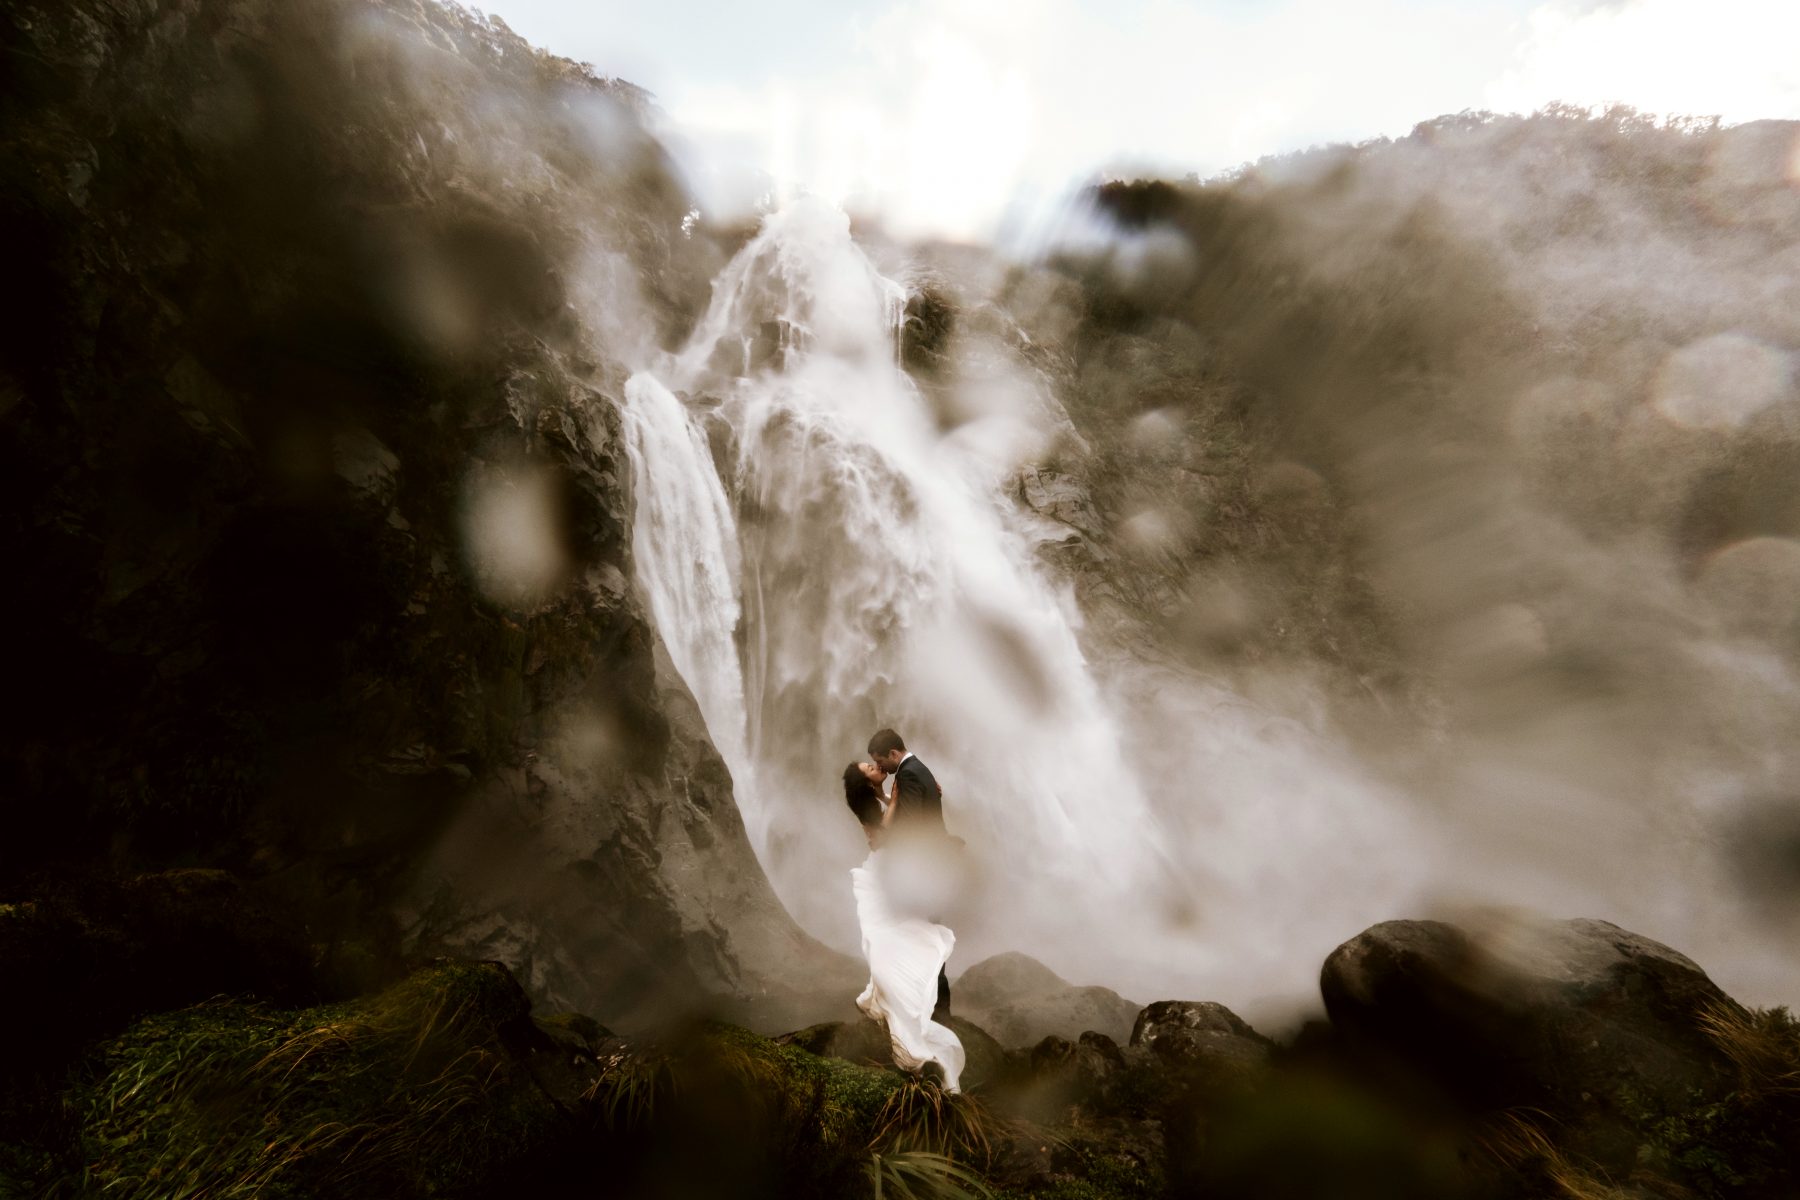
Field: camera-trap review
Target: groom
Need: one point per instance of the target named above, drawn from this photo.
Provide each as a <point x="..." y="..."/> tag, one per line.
<point x="919" y="808"/>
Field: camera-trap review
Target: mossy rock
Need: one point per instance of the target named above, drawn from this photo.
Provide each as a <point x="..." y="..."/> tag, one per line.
<point x="840" y="1097"/>
<point x="86" y="955"/>
<point x="865" y="1042"/>
<point x="413" y="1091"/>
<point x="573" y="1028"/>
<point x="445" y="1086"/>
<point x="778" y="1119"/>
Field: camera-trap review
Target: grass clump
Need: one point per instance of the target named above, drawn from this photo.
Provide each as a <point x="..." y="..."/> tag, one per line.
<point x="624" y="1095"/>
<point x="1764" y="1046"/>
<point x="1747" y="1143"/>
<point x="409" y="1091"/>
<point x="922" y="1175"/>
<point x="1517" y="1143"/>
<point x="827" y="1126"/>
<point x="921" y="1116"/>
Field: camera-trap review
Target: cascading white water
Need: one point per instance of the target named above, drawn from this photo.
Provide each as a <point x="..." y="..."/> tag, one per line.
<point x="880" y="584"/>
<point x="876" y="573"/>
<point x="684" y="543"/>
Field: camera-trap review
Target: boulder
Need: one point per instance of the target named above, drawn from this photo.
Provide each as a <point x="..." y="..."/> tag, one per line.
<point x="575" y="1032"/>
<point x="1199" y="1033"/>
<point x="85" y="956"/>
<point x="1085" y="1073"/>
<point x="984" y="1057"/>
<point x="1021" y="1001"/>
<point x="1599" y="1027"/>
<point x="860" y="1041"/>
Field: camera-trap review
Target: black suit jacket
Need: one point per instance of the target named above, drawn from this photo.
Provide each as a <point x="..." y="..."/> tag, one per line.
<point x="920" y="798"/>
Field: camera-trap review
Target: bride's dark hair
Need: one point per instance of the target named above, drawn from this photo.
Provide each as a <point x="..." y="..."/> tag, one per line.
<point x="861" y="795"/>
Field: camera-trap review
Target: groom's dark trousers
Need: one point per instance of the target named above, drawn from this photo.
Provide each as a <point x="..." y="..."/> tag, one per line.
<point x="922" y="808"/>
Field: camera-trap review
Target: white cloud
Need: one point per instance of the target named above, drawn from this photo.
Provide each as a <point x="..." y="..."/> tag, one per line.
<point x="1737" y="59"/>
<point x="938" y="113"/>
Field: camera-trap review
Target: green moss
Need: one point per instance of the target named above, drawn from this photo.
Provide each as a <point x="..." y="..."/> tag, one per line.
<point x="842" y="1097"/>
<point x="579" y="1024"/>
<point x="827" y="1126"/>
<point x="1061" y="1189"/>
<point x="1743" y="1143"/>
<point x="1090" y="1165"/>
<point x="1102" y="1177"/>
<point x="405" y="1092"/>
<point x="1122" y="1177"/>
<point x="1728" y="1148"/>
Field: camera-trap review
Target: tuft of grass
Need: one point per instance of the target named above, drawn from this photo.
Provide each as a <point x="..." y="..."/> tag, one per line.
<point x="922" y="1175"/>
<point x="406" y="1091"/>
<point x="919" y="1115"/>
<point x="626" y="1090"/>
<point x="1516" y="1141"/>
<point x="840" y="1099"/>
<point x="1763" y="1044"/>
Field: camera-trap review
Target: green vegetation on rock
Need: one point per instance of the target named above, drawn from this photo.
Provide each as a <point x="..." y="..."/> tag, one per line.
<point x="408" y="1092"/>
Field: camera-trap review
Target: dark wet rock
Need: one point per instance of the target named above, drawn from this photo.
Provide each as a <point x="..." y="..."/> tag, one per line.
<point x="248" y="416"/>
<point x="85" y="956"/>
<point x="1088" y="1073"/>
<point x="985" y="1059"/>
<point x="1199" y="1034"/>
<point x="926" y="328"/>
<point x="576" y="1032"/>
<point x="1021" y="1002"/>
<point x="1600" y="1027"/>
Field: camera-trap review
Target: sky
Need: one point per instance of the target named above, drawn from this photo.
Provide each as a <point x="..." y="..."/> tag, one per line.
<point x="951" y="118"/>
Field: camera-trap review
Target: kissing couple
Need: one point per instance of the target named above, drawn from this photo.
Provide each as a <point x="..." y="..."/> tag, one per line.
<point x="908" y="878"/>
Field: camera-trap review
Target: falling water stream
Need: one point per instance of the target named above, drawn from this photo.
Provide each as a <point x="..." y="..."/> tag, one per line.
<point x="823" y="559"/>
<point x="842" y="566"/>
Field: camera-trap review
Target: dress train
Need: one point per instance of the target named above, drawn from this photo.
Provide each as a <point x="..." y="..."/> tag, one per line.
<point x="905" y="954"/>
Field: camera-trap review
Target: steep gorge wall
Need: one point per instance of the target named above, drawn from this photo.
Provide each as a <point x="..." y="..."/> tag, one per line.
<point x="315" y="501"/>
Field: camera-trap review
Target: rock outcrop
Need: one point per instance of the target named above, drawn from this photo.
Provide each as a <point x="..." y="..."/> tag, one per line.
<point x="311" y="450"/>
<point x="1021" y="1001"/>
<point x="1602" y="1028"/>
<point x="865" y="1042"/>
<point x="87" y="956"/>
<point x="1200" y="1034"/>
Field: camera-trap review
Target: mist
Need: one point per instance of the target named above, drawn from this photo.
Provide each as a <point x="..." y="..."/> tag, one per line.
<point x="471" y="508"/>
<point x="1379" y="529"/>
<point x="1546" y="396"/>
<point x="1396" y="501"/>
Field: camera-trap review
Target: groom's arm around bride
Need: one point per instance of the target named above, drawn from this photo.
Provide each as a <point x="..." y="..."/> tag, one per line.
<point x="919" y="801"/>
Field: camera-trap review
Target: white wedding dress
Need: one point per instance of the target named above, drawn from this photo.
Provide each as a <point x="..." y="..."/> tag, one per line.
<point x="905" y="954"/>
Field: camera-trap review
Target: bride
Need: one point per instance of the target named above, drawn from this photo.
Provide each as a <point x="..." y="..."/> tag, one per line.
<point x="905" y="952"/>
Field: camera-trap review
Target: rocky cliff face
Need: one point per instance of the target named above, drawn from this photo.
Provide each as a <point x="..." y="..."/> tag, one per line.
<point x="314" y="485"/>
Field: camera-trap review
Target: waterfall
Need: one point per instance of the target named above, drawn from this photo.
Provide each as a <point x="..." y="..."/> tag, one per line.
<point x="684" y="542"/>
<point x="881" y="583"/>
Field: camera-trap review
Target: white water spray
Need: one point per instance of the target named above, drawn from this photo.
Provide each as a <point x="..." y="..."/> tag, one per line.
<point x="684" y="542"/>
<point x="880" y="584"/>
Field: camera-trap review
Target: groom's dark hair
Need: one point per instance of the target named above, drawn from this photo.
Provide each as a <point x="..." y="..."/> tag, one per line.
<point x="885" y="741"/>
